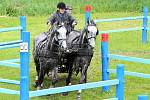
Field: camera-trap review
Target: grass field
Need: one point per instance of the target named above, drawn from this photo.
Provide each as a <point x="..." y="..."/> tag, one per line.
<point x="125" y="43"/>
<point x="45" y="7"/>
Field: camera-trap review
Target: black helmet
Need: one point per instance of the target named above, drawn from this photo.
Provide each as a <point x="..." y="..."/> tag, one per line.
<point x="61" y="5"/>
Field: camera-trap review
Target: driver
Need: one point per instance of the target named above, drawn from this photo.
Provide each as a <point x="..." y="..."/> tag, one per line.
<point x="61" y="16"/>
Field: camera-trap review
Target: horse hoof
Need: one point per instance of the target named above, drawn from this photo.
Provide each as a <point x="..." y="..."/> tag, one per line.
<point x="64" y="93"/>
<point x="69" y="84"/>
<point x="42" y="85"/>
<point x="35" y="84"/>
<point x="39" y="88"/>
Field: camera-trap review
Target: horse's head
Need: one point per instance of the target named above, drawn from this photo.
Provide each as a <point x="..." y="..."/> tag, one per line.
<point x="92" y="32"/>
<point x="61" y="36"/>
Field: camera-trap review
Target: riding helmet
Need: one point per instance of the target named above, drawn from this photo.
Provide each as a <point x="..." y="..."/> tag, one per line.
<point x="61" y="5"/>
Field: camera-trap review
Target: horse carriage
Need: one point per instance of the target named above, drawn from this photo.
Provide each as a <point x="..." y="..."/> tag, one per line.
<point x="57" y="51"/>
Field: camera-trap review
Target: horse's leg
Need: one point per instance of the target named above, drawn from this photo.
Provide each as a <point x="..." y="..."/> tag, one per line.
<point x="54" y="77"/>
<point x="40" y="79"/>
<point x="88" y="64"/>
<point x="69" y="66"/>
<point x="36" y="64"/>
<point x="86" y="77"/>
<point x="87" y="61"/>
<point x="37" y="72"/>
<point x="68" y="79"/>
<point x="41" y="75"/>
<point x="78" y="97"/>
<point x="36" y="61"/>
<point x="83" y="75"/>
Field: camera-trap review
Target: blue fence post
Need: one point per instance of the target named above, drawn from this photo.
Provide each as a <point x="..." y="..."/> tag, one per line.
<point x="87" y="13"/>
<point x="23" y="25"/>
<point x="120" y="86"/>
<point x="105" y="61"/>
<point x="142" y="97"/>
<point x="145" y="24"/>
<point x="24" y="66"/>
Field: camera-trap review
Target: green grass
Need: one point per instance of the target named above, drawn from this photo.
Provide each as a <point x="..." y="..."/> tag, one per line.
<point x="125" y="43"/>
<point x="45" y="7"/>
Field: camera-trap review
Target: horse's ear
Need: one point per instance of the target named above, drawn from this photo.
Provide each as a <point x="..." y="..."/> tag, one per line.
<point x="88" y="21"/>
<point x="93" y="22"/>
<point x="97" y="31"/>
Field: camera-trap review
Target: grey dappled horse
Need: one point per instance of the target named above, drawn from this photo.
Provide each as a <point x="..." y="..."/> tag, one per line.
<point x="47" y="53"/>
<point x="82" y="45"/>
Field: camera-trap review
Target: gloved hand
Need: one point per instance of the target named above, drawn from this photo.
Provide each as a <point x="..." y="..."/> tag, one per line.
<point x="74" y="23"/>
<point x="48" y="23"/>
